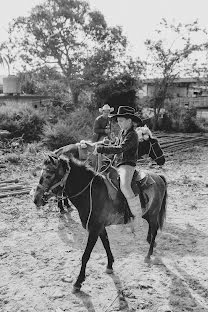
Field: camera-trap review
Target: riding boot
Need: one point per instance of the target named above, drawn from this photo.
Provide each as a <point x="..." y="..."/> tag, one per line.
<point x="135" y="207"/>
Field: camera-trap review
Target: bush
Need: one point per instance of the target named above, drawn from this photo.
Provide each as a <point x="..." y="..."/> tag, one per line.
<point x="57" y="135"/>
<point x="22" y="121"/>
<point x="190" y="124"/>
<point x="180" y="119"/>
<point x="77" y="126"/>
<point x="13" y="158"/>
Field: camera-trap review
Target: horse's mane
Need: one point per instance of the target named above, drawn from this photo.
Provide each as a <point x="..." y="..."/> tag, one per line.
<point x="85" y="167"/>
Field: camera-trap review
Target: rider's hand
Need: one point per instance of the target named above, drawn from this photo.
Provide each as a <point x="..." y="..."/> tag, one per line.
<point x="107" y="131"/>
<point x="99" y="148"/>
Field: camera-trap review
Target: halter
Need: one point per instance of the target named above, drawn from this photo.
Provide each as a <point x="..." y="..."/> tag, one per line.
<point x="151" y="147"/>
<point x="62" y="182"/>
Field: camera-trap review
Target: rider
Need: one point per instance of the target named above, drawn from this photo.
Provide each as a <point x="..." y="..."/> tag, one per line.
<point x="126" y="152"/>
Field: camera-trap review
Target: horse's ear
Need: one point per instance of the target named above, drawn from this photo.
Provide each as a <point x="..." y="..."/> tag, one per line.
<point x="52" y="158"/>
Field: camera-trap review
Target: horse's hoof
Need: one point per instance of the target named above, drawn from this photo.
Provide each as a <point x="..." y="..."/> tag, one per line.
<point x="62" y="212"/>
<point x="76" y="289"/>
<point x="109" y="271"/>
<point x="147" y="260"/>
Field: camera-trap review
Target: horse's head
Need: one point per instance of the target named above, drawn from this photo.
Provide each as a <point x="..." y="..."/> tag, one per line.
<point x="53" y="178"/>
<point x="151" y="148"/>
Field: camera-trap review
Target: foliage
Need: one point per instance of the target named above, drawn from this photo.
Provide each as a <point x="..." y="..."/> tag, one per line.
<point x="55" y="136"/>
<point x="49" y="82"/>
<point x="180" y="119"/>
<point x="4" y="60"/>
<point x="189" y="122"/>
<point x="76" y="126"/>
<point x="118" y="91"/>
<point x="68" y="35"/>
<point x="22" y="121"/>
<point x="167" y="60"/>
<point x="13" y="158"/>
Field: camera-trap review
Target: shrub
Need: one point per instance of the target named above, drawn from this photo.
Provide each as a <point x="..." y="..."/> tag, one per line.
<point x="77" y="126"/>
<point x="55" y="136"/>
<point x="13" y="158"/>
<point x="189" y="122"/>
<point x="22" y="121"/>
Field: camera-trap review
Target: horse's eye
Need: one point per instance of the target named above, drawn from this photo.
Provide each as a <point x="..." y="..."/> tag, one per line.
<point x="48" y="176"/>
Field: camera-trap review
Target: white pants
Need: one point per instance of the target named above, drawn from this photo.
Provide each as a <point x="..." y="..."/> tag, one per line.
<point x="126" y="173"/>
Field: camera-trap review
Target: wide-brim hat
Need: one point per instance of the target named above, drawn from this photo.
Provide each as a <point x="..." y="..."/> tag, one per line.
<point x="106" y="107"/>
<point x="127" y="112"/>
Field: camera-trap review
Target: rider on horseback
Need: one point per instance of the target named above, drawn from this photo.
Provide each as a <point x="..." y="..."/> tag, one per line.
<point x="126" y="153"/>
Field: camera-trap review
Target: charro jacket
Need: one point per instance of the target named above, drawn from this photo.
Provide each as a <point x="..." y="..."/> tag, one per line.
<point x="100" y="124"/>
<point x="126" y="149"/>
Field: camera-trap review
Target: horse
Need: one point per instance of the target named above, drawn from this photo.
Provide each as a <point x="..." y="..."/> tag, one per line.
<point x="151" y="147"/>
<point x="88" y="192"/>
<point x="83" y="151"/>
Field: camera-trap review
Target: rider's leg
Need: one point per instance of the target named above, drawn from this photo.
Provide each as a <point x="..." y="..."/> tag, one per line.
<point x="126" y="173"/>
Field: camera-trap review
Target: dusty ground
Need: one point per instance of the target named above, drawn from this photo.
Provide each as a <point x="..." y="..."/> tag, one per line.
<point x="40" y="252"/>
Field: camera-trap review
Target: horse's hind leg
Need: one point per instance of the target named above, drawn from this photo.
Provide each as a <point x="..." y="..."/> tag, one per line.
<point x="153" y="228"/>
<point x="92" y="239"/>
<point x="106" y="244"/>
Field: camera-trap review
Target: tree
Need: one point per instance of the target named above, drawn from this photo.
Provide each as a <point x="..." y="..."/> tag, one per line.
<point x="168" y="60"/>
<point x="4" y="61"/>
<point x="68" y="35"/>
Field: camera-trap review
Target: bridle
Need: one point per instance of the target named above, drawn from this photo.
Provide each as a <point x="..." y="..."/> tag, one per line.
<point x="62" y="184"/>
<point x="152" y="148"/>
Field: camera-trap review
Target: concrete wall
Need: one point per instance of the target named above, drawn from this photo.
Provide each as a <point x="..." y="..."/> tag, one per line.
<point x="202" y="113"/>
<point x="36" y="101"/>
<point x="182" y="90"/>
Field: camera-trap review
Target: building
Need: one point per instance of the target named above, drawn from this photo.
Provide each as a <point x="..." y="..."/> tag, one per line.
<point x="10" y="93"/>
<point x="184" y="92"/>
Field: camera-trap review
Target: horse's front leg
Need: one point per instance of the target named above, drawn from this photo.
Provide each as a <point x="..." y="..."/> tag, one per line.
<point x="106" y="244"/>
<point x="67" y="205"/>
<point x="60" y="206"/>
<point x="92" y="239"/>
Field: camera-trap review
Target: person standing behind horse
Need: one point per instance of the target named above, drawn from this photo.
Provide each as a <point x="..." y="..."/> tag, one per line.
<point x="102" y="129"/>
<point x="126" y="153"/>
<point x="102" y="125"/>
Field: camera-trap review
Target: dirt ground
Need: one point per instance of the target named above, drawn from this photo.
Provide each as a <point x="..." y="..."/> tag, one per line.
<point x="40" y="252"/>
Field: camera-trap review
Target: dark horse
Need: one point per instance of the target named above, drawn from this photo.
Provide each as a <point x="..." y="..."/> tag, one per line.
<point x="149" y="147"/>
<point x="88" y="192"/>
<point x="152" y="148"/>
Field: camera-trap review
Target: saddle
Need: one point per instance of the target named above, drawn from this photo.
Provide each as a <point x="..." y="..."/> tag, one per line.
<point x="140" y="182"/>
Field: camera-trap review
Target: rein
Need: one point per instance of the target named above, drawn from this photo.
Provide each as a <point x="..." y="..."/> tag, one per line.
<point x="84" y="189"/>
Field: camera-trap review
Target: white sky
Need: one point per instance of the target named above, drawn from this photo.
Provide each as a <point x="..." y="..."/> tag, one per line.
<point x="138" y="18"/>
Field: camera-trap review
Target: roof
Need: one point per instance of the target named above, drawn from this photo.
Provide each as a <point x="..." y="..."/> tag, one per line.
<point x="24" y="96"/>
<point x="176" y="80"/>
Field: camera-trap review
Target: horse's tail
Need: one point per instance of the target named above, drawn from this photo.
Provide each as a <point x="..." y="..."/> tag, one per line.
<point x="162" y="213"/>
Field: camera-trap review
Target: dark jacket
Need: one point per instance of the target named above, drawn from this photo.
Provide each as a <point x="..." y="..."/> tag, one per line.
<point x="100" y="125"/>
<point x="126" y="149"/>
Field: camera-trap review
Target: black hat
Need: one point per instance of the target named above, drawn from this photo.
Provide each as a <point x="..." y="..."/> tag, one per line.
<point x="127" y="112"/>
